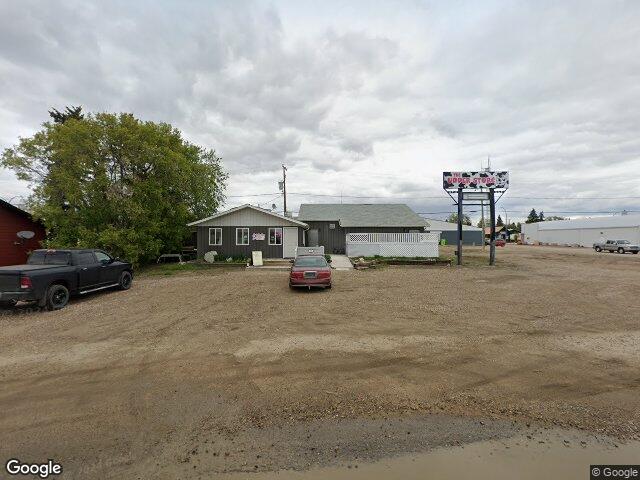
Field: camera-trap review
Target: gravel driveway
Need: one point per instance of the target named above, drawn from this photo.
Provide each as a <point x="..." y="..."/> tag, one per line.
<point x="199" y="372"/>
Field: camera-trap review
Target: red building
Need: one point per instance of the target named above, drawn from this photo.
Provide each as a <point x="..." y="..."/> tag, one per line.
<point x="14" y="250"/>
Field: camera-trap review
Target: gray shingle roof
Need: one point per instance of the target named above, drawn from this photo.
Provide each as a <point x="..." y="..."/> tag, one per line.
<point x="362" y="215"/>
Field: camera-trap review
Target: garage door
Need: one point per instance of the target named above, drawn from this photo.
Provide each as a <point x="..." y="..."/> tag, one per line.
<point x="289" y="242"/>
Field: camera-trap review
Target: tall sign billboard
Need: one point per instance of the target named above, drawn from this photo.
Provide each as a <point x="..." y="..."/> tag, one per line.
<point x="475" y="180"/>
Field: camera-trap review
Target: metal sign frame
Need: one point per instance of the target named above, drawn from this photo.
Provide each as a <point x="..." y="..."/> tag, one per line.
<point x="479" y="183"/>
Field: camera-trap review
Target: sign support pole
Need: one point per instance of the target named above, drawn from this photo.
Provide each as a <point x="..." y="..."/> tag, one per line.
<point x="459" y="226"/>
<point x="492" y="215"/>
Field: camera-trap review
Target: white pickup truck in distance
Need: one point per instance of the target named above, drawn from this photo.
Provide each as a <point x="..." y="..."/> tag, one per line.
<point x="620" y="246"/>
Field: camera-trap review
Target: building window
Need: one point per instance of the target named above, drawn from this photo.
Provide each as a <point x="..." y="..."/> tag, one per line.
<point x="215" y="236"/>
<point x="242" y="236"/>
<point x="275" y="236"/>
<point x="332" y="226"/>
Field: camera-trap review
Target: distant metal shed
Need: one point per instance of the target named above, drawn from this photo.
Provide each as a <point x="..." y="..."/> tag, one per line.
<point x="583" y="231"/>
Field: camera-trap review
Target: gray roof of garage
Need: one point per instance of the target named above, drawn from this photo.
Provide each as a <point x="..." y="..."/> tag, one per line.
<point x="362" y="215"/>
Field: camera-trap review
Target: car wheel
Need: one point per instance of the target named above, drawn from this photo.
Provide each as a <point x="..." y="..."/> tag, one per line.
<point x="635" y="253"/>
<point x="125" y="280"/>
<point x="621" y="250"/>
<point x="8" y="303"/>
<point x="57" y="297"/>
<point x="598" y="249"/>
<point x="329" y="286"/>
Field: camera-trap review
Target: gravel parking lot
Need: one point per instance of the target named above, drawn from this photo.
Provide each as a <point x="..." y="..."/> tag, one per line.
<point x="229" y="370"/>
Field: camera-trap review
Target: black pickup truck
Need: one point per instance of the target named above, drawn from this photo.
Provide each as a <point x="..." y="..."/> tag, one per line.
<point x="50" y="277"/>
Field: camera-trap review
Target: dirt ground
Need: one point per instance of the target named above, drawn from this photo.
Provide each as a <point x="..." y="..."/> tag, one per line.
<point x="228" y="370"/>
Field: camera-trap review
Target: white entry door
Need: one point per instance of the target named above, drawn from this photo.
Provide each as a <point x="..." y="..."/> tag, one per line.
<point x="289" y="241"/>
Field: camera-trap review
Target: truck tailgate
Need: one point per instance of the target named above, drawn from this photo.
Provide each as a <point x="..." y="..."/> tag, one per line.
<point x="9" y="282"/>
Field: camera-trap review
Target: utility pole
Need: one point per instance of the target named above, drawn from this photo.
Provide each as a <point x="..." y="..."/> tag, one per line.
<point x="284" y="188"/>
<point x="506" y="224"/>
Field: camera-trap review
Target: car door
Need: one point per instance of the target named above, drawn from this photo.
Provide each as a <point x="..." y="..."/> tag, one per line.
<point x="109" y="272"/>
<point x="89" y="270"/>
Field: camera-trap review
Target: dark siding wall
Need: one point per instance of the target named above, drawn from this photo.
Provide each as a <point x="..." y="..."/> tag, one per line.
<point x="11" y="223"/>
<point x="468" y="237"/>
<point x="331" y="239"/>
<point x="335" y="240"/>
<point x="229" y="247"/>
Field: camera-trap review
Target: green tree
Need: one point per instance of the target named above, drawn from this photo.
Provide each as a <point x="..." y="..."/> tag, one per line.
<point x="482" y="223"/>
<point x="453" y="218"/>
<point x="69" y="112"/>
<point x="499" y="222"/>
<point x="533" y="216"/>
<point x="541" y="216"/>
<point x="514" y="227"/>
<point x="114" y="182"/>
<point x="553" y="217"/>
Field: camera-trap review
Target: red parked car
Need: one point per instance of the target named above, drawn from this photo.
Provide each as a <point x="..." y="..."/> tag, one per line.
<point x="310" y="271"/>
<point x="499" y="242"/>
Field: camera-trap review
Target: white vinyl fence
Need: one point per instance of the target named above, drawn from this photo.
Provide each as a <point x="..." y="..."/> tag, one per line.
<point x="393" y="244"/>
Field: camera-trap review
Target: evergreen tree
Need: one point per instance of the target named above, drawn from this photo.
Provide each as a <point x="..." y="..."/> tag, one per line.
<point x="533" y="216"/>
<point x="69" y="112"/>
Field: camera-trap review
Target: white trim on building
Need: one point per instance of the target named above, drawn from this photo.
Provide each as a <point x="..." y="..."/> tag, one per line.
<point x="287" y="220"/>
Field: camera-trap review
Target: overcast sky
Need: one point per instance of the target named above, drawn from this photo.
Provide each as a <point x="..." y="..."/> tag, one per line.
<point x="356" y="98"/>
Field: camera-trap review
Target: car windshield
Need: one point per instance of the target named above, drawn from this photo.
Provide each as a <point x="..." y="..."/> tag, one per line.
<point x="310" y="262"/>
<point x="48" y="258"/>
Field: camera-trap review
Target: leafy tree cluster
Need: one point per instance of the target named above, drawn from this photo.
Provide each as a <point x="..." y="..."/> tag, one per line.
<point x="515" y="227"/>
<point x="112" y="181"/>
<point x="453" y="218"/>
<point x="535" y="217"/>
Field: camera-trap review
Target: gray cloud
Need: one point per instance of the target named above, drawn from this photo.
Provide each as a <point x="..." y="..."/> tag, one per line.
<point x="378" y="106"/>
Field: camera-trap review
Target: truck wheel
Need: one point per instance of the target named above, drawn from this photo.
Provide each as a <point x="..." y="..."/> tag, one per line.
<point x="621" y="250"/>
<point x="8" y="303"/>
<point x="635" y="252"/>
<point x="125" y="281"/>
<point x="57" y="297"/>
<point x="598" y="249"/>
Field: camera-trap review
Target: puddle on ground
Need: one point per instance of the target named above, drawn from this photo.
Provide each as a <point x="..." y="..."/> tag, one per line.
<point x="556" y="454"/>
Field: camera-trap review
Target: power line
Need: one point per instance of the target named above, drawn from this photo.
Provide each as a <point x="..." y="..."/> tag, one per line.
<point x="328" y="195"/>
<point x="524" y="212"/>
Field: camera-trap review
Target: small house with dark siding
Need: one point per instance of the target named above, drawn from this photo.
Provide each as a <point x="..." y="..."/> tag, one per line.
<point x="330" y="223"/>
<point x="245" y="229"/>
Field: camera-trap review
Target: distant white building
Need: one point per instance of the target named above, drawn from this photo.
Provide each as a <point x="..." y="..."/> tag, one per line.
<point x="584" y="231"/>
